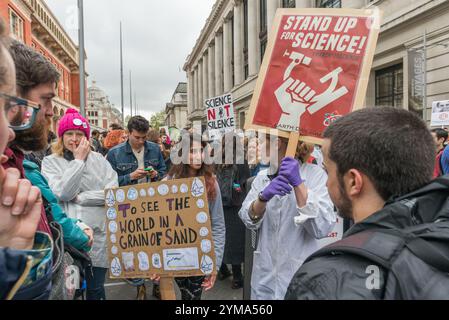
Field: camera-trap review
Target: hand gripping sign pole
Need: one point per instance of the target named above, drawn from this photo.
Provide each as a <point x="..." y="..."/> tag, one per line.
<point x="316" y="69"/>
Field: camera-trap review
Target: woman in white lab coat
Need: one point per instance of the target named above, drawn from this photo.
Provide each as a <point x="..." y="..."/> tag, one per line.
<point x="291" y="210"/>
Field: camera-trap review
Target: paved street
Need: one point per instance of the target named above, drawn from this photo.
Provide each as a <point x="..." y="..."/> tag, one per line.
<point x="119" y="290"/>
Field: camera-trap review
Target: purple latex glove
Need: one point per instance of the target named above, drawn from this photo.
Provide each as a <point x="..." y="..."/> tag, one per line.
<point x="290" y="170"/>
<point x="278" y="187"/>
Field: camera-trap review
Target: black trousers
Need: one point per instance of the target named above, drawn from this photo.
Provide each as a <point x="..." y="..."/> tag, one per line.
<point x="190" y="287"/>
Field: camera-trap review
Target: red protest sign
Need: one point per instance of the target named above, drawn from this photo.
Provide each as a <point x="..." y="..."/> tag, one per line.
<point x="315" y="70"/>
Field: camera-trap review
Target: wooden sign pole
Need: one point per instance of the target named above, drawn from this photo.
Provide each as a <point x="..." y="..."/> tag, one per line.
<point x="167" y="289"/>
<point x="293" y="141"/>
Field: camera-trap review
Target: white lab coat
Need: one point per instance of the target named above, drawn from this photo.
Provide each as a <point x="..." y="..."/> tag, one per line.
<point x="79" y="186"/>
<point x="287" y="234"/>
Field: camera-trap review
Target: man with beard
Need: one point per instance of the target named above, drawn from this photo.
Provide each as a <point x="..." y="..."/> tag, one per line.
<point x="37" y="80"/>
<point x="380" y="163"/>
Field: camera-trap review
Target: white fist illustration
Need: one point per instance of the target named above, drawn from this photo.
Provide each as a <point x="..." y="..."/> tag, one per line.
<point x="295" y="96"/>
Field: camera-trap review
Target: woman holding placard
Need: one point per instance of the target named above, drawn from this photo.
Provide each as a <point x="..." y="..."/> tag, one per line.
<point x="78" y="178"/>
<point x="192" y="287"/>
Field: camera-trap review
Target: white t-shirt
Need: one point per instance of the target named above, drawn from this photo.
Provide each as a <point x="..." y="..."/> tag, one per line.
<point x="140" y="162"/>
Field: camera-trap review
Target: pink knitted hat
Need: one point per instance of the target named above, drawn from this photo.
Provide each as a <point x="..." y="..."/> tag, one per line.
<point x="72" y="120"/>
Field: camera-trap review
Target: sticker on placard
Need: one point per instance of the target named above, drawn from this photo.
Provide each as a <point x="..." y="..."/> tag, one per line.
<point x="180" y="259"/>
<point x="151" y="192"/>
<point x="120" y="195"/>
<point x="112" y="226"/>
<point x="184" y="188"/>
<point x="128" y="261"/>
<point x="204" y="232"/>
<point x="200" y="203"/>
<point x="110" y="199"/>
<point x="112" y="214"/>
<point x="156" y="260"/>
<point x="207" y="265"/>
<point x="143" y="193"/>
<point x="206" y="246"/>
<point x="201" y="217"/>
<point x="163" y="189"/>
<point x="114" y="250"/>
<point x="116" y="268"/>
<point x="132" y="194"/>
<point x="113" y="238"/>
<point x="174" y="189"/>
<point x="144" y="263"/>
<point x="197" y="188"/>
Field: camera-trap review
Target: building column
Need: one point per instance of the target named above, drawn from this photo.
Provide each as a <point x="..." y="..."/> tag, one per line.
<point x="197" y="88"/>
<point x="253" y="52"/>
<point x="239" y="75"/>
<point x="211" y="69"/>
<point x="190" y="79"/>
<point x="200" y="85"/>
<point x="205" y="79"/>
<point x="303" y="4"/>
<point x="218" y="63"/>
<point x="272" y="6"/>
<point x="227" y="52"/>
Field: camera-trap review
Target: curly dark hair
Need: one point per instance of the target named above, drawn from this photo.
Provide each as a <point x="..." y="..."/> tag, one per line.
<point x="393" y="147"/>
<point x="181" y="170"/>
<point x="139" y="124"/>
<point x="32" y="68"/>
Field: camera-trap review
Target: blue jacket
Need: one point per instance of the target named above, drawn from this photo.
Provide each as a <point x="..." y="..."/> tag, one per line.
<point x="124" y="162"/>
<point x="73" y="234"/>
<point x="445" y="161"/>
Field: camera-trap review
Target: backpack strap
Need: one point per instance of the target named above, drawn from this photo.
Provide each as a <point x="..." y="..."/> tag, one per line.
<point x="430" y="254"/>
<point x="381" y="249"/>
<point x="382" y="246"/>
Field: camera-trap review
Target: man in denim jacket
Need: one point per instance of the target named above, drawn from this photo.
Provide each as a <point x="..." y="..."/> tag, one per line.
<point x="130" y="159"/>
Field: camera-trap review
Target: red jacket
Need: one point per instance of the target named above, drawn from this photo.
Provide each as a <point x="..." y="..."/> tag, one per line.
<point x="437" y="171"/>
<point x="15" y="160"/>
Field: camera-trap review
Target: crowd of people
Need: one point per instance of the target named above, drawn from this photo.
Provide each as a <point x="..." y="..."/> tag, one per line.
<point x="384" y="174"/>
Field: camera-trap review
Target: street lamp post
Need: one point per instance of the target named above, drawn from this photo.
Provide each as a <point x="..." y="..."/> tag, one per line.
<point x="81" y="58"/>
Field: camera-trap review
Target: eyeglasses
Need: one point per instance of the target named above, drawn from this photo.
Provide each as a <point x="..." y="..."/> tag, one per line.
<point x="21" y="113"/>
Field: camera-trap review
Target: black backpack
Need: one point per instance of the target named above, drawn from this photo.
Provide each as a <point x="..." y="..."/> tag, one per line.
<point x="415" y="259"/>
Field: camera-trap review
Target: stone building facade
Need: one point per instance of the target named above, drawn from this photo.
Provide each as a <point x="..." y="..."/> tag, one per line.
<point x="33" y="23"/>
<point x="100" y="112"/>
<point x="228" y="53"/>
<point x="176" y="109"/>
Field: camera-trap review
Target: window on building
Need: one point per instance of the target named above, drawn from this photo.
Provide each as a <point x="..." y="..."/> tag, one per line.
<point x="390" y="86"/>
<point x="245" y="45"/>
<point x="16" y="25"/>
<point x="288" y="3"/>
<point x="328" y="3"/>
<point x="263" y="35"/>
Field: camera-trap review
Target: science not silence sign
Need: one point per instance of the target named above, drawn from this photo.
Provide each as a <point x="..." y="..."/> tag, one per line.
<point x="159" y="228"/>
<point x="220" y="115"/>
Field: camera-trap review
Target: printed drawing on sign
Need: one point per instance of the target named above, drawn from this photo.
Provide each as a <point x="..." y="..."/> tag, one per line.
<point x="181" y="259"/>
<point x="295" y="97"/>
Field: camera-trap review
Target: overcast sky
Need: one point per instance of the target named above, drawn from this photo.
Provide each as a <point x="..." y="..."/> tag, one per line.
<point x="158" y="36"/>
